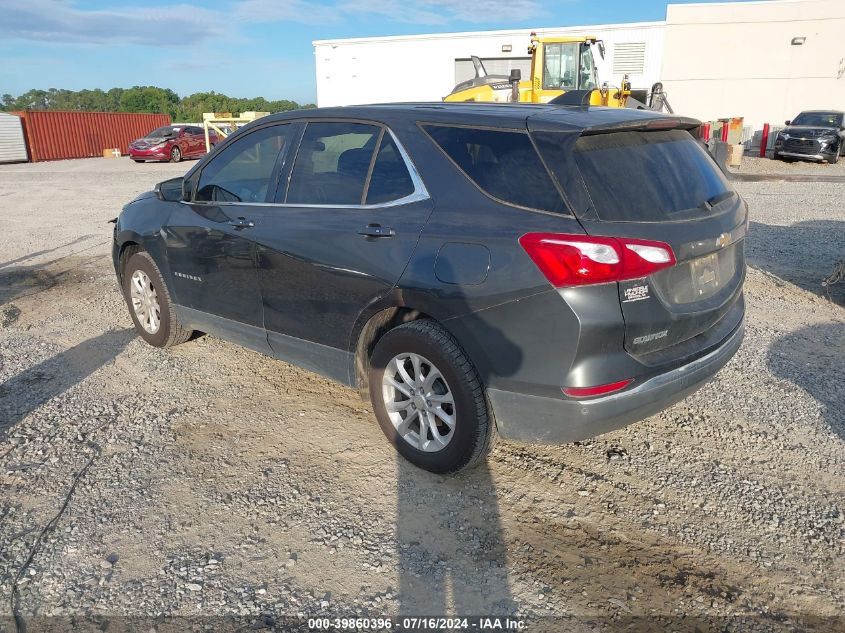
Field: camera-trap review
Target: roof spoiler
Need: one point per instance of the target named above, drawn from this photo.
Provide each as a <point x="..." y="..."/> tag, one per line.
<point x="645" y="125"/>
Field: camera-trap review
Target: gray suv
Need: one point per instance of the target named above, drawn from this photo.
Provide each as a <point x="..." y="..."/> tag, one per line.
<point x="547" y="273"/>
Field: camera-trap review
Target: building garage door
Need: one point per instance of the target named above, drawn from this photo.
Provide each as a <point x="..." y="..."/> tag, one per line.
<point x="464" y="70"/>
<point x="12" y="143"/>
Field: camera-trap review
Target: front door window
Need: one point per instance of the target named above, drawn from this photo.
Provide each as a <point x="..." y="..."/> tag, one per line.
<point x="242" y="172"/>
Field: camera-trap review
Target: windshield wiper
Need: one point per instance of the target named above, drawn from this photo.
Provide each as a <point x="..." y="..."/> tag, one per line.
<point x="712" y="201"/>
<point x="720" y="197"/>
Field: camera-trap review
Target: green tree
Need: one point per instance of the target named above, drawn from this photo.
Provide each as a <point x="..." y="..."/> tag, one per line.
<point x="150" y="99"/>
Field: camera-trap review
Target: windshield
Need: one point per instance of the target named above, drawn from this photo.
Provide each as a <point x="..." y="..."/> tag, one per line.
<point x="163" y="132"/>
<point x="643" y="176"/>
<point x="819" y="119"/>
<point x="560" y="66"/>
<point x="588" y="79"/>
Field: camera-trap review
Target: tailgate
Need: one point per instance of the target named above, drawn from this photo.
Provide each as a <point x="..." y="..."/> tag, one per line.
<point x="679" y="303"/>
<point x="658" y="185"/>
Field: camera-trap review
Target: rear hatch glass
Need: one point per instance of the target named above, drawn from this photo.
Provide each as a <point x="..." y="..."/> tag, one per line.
<point x="659" y="185"/>
<point x="648" y="176"/>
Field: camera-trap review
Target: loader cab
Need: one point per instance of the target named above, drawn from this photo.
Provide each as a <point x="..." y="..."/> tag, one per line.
<point x="558" y="65"/>
<point x="561" y="65"/>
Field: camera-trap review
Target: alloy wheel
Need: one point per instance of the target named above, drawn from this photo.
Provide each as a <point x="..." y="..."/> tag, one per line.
<point x="145" y="302"/>
<point x="419" y="402"/>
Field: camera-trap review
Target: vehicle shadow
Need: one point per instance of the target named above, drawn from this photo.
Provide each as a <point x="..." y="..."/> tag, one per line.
<point x="19" y="282"/>
<point x="24" y="392"/>
<point x="29" y="256"/>
<point x="450" y="541"/>
<point x="451" y="546"/>
<point x="803" y="254"/>
<point x="22" y="281"/>
<point x="810" y="358"/>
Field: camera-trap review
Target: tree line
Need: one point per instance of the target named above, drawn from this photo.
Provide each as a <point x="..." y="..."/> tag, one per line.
<point x="148" y="99"/>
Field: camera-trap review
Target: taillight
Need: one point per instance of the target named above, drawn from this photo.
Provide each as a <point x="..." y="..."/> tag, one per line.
<point x="578" y="260"/>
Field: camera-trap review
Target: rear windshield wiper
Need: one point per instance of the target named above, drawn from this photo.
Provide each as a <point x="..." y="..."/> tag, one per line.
<point x="712" y="201"/>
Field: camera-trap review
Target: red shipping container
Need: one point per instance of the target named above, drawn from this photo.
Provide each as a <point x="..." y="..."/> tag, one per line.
<point x="54" y="135"/>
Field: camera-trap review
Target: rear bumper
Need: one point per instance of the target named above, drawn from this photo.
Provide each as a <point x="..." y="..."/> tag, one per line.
<point x="550" y="420"/>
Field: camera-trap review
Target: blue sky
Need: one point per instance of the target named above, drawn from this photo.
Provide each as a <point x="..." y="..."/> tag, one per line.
<point x="243" y="48"/>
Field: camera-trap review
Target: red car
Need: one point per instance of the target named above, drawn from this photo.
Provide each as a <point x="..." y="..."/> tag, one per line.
<point x="171" y="142"/>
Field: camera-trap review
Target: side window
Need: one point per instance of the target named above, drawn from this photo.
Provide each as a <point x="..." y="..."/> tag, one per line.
<point x="332" y="163"/>
<point x="241" y="173"/>
<point x="503" y="164"/>
<point x="390" y="179"/>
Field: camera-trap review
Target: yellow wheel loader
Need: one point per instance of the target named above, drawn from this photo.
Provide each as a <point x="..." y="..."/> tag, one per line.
<point x="558" y="65"/>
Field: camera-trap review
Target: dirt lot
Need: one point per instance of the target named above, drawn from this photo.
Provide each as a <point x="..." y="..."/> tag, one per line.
<point x="210" y="481"/>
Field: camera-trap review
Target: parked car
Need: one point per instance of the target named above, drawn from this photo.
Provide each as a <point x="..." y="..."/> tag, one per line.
<point x="171" y="142"/>
<point x="813" y="134"/>
<point x="548" y="273"/>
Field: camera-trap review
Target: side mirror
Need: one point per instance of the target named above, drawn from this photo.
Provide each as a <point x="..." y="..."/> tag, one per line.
<point x="172" y="190"/>
<point x="601" y="48"/>
<point x="788" y="122"/>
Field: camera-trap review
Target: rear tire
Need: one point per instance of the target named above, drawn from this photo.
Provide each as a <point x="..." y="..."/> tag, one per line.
<point x="146" y="294"/>
<point x="448" y="387"/>
<point x="175" y="154"/>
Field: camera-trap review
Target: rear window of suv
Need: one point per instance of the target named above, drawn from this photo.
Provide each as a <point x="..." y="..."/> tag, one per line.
<point x="503" y="164"/>
<point x="645" y="176"/>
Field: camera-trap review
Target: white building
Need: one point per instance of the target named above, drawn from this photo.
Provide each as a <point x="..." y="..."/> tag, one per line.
<point x="764" y="61"/>
<point x="427" y="67"/>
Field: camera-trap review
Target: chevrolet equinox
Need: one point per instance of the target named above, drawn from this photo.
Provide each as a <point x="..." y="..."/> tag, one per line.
<point x="544" y="273"/>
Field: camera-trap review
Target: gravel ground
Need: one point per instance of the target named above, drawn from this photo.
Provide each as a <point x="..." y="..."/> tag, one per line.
<point x="211" y="482"/>
<point x="757" y="165"/>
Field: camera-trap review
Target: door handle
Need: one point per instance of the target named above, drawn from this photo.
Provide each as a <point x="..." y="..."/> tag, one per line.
<point x="241" y="223"/>
<point x="376" y="230"/>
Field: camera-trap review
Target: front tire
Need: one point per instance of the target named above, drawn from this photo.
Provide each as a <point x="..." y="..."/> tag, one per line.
<point x="175" y="154"/>
<point x="429" y="399"/>
<point x="149" y="303"/>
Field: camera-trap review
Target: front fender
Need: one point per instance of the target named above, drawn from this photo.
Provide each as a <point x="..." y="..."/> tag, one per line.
<point x="141" y="222"/>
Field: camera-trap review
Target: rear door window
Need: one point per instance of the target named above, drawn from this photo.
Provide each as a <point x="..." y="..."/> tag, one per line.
<point x="502" y="163"/>
<point x="646" y="176"/>
<point x="242" y="172"/>
<point x="332" y="163"/>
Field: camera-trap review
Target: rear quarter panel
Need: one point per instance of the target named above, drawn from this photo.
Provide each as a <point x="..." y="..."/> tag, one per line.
<point x="519" y="332"/>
